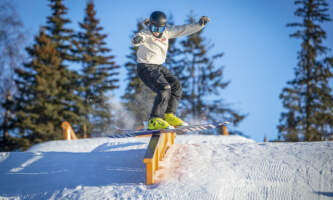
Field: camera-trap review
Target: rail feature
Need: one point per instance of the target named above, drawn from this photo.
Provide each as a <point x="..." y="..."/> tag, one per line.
<point x="157" y="147"/>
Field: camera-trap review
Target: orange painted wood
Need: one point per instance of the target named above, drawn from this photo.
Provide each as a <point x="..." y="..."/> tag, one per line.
<point x="157" y="147"/>
<point x="68" y="131"/>
<point x="149" y="135"/>
<point x="225" y="130"/>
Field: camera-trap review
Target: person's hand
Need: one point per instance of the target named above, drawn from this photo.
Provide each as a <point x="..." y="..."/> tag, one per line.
<point x="146" y="22"/>
<point x="204" y="20"/>
<point x="137" y="39"/>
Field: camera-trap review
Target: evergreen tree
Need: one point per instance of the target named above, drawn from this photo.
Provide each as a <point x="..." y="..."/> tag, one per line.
<point x="62" y="37"/>
<point x="11" y="44"/>
<point x="39" y="111"/>
<point x="99" y="71"/>
<point x="308" y="98"/>
<point x="57" y="31"/>
<point x="138" y="98"/>
<point x="202" y="82"/>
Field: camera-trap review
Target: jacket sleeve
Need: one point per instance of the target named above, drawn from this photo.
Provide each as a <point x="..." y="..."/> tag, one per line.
<point x="138" y="34"/>
<point x="180" y="31"/>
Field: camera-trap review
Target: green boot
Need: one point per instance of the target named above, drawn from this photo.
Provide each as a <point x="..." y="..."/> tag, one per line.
<point x="158" y="123"/>
<point x="173" y="120"/>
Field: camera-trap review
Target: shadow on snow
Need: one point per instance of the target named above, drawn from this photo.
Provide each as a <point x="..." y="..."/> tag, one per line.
<point x="54" y="171"/>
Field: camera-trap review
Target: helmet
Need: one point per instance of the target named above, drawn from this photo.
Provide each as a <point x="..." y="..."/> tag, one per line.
<point x="158" y="18"/>
<point x="157" y="22"/>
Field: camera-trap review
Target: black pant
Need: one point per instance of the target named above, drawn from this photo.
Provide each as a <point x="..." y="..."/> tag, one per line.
<point x="165" y="84"/>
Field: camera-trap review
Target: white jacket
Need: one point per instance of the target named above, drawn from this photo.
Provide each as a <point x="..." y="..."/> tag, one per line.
<point x="153" y="50"/>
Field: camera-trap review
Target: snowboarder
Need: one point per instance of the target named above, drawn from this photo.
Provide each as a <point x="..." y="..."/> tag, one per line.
<point x="152" y="46"/>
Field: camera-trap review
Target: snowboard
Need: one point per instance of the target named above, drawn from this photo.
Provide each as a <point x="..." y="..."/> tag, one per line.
<point x="177" y="130"/>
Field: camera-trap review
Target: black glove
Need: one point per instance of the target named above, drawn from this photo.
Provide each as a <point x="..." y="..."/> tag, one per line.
<point x="137" y="39"/>
<point x="204" y="20"/>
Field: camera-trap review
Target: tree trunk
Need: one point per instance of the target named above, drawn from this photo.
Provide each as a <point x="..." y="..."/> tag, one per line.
<point x="6" y="119"/>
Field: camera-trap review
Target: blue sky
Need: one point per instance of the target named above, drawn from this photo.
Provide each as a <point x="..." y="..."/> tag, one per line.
<point x="259" y="54"/>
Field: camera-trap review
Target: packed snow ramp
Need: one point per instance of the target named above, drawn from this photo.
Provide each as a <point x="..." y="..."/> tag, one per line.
<point x="197" y="167"/>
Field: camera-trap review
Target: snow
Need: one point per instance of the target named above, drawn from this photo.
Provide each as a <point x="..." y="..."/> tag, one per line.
<point x="196" y="167"/>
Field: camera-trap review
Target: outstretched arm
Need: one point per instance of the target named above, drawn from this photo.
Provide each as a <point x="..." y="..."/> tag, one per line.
<point x="138" y="39"/>
<point x="188" y="29"/>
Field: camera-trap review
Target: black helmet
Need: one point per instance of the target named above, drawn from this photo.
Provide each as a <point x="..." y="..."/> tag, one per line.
<point x="158" y="18"/>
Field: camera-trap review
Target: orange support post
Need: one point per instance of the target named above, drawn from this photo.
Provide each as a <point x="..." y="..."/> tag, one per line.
<point x="69" y="133"/>
<point x="157" y="147"/>
<point x="224" y="130"/>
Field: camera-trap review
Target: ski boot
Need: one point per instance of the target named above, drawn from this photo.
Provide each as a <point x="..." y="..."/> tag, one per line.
<point x="173" y="120"/>
<point x="157" y="123"/>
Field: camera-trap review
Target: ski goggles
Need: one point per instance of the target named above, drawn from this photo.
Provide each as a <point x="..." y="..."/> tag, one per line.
<point x="159" y="29"/>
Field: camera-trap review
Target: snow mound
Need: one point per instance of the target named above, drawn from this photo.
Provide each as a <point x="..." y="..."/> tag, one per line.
<point x="91" y="145"/>
<point x="196" y="167"/>
<point x="114" y="144"/>
<point x="211" y="139"/>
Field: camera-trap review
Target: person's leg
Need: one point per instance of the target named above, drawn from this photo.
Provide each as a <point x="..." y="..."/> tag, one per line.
<point x="176" y="93"/>
<point x="153" y="77"/>
<point x="176" y="90"/>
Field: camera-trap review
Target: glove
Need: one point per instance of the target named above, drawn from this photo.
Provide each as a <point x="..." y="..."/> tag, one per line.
<point x="146" y="22"/>
<point x="204" y="20"/>
<point x="137" y="39"/>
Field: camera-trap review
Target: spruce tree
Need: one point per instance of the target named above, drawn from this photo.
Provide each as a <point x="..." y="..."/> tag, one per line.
<point x="62" y="37"/>
<point x="98" y="75"/>
<point x="57" y="30"/>
<point x="38" y="110"/>
<point x="138" y="98"/>
<point x="308" y="97"/>
<point x="202" y="82"/>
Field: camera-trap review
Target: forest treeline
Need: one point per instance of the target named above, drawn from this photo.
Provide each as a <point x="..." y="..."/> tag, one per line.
<point x="71" y="75"/>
